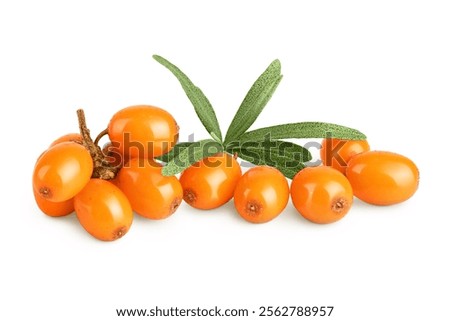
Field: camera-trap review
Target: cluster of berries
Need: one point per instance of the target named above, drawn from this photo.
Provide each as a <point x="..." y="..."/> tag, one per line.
<point x="105" y="186"/>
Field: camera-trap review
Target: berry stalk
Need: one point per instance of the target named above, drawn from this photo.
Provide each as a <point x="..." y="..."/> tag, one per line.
<point x="102" y="168"/>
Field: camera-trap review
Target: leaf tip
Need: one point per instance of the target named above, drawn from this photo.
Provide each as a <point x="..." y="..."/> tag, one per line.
<point x="159" y="58"/>
<point x="276" y="63"/>
<point x="358" y="135"/>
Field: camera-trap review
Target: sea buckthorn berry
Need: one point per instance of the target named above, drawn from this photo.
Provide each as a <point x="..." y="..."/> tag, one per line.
<point x="53" y="208"/>
<point x="383" y="178"/>
<point x="261" y="194"/>
<point x="112" y="155"/>
<point x="321" y="194"/>
<point x="337" y="152"/>
<point x="151" y="194"/>
<point x="62" y="171"/>
<point x="103" y="210"/>
<point x="72" y="137"/>
<point x="143" y="131"/>
<point x="210" y="183"/>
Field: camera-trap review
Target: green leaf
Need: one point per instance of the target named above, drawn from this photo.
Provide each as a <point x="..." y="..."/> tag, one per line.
<point x="174" y="152"/>
<point x="303" y="130"/>
<point x="287" y="149"/>
<point x="190" y="155"/>
<point x="217" y="139"/>
<point x="255" y="101"/>
<point x="202" y="106"/>
<point x="287" y="163"/>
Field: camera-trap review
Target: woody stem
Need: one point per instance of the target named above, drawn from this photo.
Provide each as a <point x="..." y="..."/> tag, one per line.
<point x="102" y="169"/>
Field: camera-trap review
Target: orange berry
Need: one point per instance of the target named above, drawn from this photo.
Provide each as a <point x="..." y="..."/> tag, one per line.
<point x="103" y="210"/>
<point x="261" y="194"/>
<point x="143" y="131"/>
<point x="72" y="137"/>
<point x="337" y="152"/>
<point x="62" y="171"/>
<point x="210" y="183"/>
<point x="53" y="208"/>
<point x="151" y="194"/>
<point x="113" y="156"/>
<point x="383" y="178"/>
<point x="321" y="194"/>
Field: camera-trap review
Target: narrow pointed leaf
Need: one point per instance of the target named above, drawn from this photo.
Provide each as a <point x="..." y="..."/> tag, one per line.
<point x="255" y="101"/>
<point x="174" y="152"/>
<point x="258" y="155"/>
<point x="202" y="106"/>
<point x="303" y="130"/>
<point x="190" y="155"/>
<point x="285" y="149"/>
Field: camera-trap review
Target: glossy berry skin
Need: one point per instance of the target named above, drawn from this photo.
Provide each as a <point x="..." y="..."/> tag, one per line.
<point x="103" y="210"/>
<point x="321" y="194"/>
<point x="143" y="131"/>
<point x="261" y="194"/>
<point x="383" y="178"/>
<point x="72" y="137"/>
<point x="54" y="209"/>
<point x="151" y="194"/>
<point x="62" y="171"/>
<point x="210" y="183"/>
<point x="112" y="155"/>
<point x="338" y="152"/>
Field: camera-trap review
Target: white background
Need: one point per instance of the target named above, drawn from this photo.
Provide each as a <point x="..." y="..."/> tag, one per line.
<point x="380" y="66"/>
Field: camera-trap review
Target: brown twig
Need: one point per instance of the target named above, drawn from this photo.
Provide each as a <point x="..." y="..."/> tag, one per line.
<point x="102" y="168"/>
